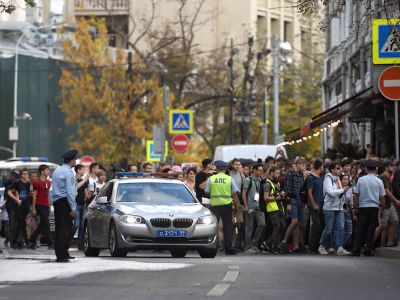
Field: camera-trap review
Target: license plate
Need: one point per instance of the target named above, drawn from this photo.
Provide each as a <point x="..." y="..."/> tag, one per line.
<point x="171" y="233"/>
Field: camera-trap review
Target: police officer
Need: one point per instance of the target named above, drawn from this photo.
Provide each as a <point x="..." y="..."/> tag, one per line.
<point x="369" y="204"/>
<point x="223" y="193"/>
<point x="63" y="197"/>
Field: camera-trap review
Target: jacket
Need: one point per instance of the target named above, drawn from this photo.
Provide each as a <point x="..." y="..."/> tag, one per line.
<point x="333" y="199"/>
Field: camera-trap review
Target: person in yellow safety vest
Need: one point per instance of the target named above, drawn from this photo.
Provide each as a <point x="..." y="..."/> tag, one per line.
<point x="223" y="193"/>
<point x="275" y="210"/>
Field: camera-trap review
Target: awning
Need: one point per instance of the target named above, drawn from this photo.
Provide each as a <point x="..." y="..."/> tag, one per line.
<point x="333" y="113"/>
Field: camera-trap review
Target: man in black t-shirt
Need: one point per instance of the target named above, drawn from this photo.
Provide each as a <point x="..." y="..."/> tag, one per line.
<point x="82" y="184"/>
<point x="201" y="178"/>
<point x="20" y="192"/>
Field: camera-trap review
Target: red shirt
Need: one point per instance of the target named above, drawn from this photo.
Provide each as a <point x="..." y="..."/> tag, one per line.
<point x="42" y="189"/>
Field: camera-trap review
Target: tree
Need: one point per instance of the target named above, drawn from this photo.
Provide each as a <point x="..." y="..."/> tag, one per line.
<point x="301" y="99"/>
<point x="9" y="6"/>
<point x="112" y="107"/>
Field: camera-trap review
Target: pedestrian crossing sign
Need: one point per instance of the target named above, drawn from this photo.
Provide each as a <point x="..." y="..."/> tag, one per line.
<point x="150" y="155"/>
<point x="180" y="121"/>
<point x="386" y="41"/>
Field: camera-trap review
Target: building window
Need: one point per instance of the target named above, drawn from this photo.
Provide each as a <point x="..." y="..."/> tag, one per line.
<point x="288" y="32"/>
<point x="338" y="88"/>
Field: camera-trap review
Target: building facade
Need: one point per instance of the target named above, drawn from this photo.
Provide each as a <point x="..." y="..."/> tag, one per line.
<point x="217" y="21"/>
<point x="350" y="83"/>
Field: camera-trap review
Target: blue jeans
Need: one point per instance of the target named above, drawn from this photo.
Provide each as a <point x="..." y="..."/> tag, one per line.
<point x="333" y="218"/>
<point x="78" y="223"/>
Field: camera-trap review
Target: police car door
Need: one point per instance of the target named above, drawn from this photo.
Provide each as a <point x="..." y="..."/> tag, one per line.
<point x="104" y="214"/>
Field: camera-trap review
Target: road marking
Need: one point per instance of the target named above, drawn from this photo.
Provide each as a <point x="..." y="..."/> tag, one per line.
<point x="219" y="289"/>
<point x="391" y="83"/>
<point x="233" y="267"/>
<point x="231" y="276"/>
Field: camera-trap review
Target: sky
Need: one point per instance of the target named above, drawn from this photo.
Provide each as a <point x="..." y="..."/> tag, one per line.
<point x="57" y="6"/>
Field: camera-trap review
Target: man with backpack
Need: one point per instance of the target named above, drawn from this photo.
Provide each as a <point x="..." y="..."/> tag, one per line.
<point x="293" y="183"/>
<point x="254" y="216"/>
<point x="315" y="202"/>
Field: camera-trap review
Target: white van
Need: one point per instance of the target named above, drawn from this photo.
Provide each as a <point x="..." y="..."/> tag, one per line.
<point x="253" y="152"/>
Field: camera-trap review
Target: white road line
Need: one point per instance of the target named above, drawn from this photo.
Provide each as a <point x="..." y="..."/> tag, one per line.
<point x="233" y="267"/>
<point x="391" y="83"/>
<point x="219" y="289"/>
<point x="231" y="276"/>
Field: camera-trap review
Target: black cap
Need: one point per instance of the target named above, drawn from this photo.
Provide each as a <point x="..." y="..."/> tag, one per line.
<point x="70" y="155"/>
<point x="220" y="164"/>
<point x="372" y="164"/>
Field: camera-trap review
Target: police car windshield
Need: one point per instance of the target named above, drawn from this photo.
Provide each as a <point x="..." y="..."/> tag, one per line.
<point x="154" y="193"/>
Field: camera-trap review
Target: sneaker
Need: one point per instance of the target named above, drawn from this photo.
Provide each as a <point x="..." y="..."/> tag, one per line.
<point x="284" y="248"/>
<point x="251" y="251"/>
<point x="265" y="248"/>
<point x="331" y="250"/>
<point x="31" y="245"/>
<point x="275" y="250"/>
<point x="342" y="252"/>
<point x="322" y="250"/>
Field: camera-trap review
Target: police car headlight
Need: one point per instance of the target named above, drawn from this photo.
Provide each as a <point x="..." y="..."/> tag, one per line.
<point x="132" y="219"/>
<point x="207" y="220"/>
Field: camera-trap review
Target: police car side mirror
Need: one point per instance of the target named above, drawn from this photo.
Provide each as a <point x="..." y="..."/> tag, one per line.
<point x="206" y="202"/>
<point x="102" y="200"/>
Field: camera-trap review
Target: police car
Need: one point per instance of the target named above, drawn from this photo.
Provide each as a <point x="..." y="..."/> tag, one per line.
<point x="134" y="212"/>
<point x="30" y="163"/>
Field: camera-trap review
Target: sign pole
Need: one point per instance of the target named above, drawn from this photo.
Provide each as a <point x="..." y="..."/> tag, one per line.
<point x="165" y="109"/>
<point x="396" y="124"/>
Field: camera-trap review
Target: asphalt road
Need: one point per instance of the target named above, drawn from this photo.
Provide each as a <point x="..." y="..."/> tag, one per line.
<point x="155" y="275"/>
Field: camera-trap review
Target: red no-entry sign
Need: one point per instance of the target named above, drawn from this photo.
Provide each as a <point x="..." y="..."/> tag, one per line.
<point x="389" y="83"/>
<point x="180" y="143"/>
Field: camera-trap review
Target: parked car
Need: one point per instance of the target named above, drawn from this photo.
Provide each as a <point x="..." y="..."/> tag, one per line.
<point x="148" y="214"/>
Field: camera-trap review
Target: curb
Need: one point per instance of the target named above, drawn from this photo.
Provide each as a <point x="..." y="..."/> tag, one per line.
<point x="388" y="252"/>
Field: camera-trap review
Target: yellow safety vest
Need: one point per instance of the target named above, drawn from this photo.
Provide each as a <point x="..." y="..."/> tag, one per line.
<point x="272" y="205"/>
<point x="220" y="189"/>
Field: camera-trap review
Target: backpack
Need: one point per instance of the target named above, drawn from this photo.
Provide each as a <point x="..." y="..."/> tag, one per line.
<point x="303" y="193"/>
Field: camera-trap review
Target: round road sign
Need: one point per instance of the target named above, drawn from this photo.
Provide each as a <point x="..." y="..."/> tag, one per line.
<point x="389" y="83"/>
<point x="180" y="143"/>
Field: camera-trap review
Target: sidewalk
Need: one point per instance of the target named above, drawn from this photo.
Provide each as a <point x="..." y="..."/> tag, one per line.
<point x="40" y="253"/>
<point x="388" y="252"/>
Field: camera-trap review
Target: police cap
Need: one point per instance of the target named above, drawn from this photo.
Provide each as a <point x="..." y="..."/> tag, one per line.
<point x="372" y="164"/>
<point x="70" y="155"/>
<point x="220" y="164"/>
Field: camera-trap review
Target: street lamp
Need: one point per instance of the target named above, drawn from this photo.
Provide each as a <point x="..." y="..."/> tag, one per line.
<point x="13" y="133"/>
<point x="277" y="47"/>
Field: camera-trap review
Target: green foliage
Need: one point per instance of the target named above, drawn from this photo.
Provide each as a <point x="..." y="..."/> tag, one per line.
<point x="9" y="7"/>
<point x="113" y="110"/>
<point x="299" y="101"/>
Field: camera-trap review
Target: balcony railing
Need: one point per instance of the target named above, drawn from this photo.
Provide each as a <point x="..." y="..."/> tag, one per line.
<point x="101" y="5"/>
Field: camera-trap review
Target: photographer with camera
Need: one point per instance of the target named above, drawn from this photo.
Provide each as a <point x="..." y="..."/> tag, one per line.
<point x="274" y="198"/>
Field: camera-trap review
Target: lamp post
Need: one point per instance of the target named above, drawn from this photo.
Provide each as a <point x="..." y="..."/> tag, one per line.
<point x="277" y="47"/>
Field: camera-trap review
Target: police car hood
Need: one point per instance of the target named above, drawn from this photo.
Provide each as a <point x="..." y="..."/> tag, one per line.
<point x="143" y="209"/>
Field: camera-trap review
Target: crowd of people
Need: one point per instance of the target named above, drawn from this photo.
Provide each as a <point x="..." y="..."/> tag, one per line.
<point x="340" y="206"/>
